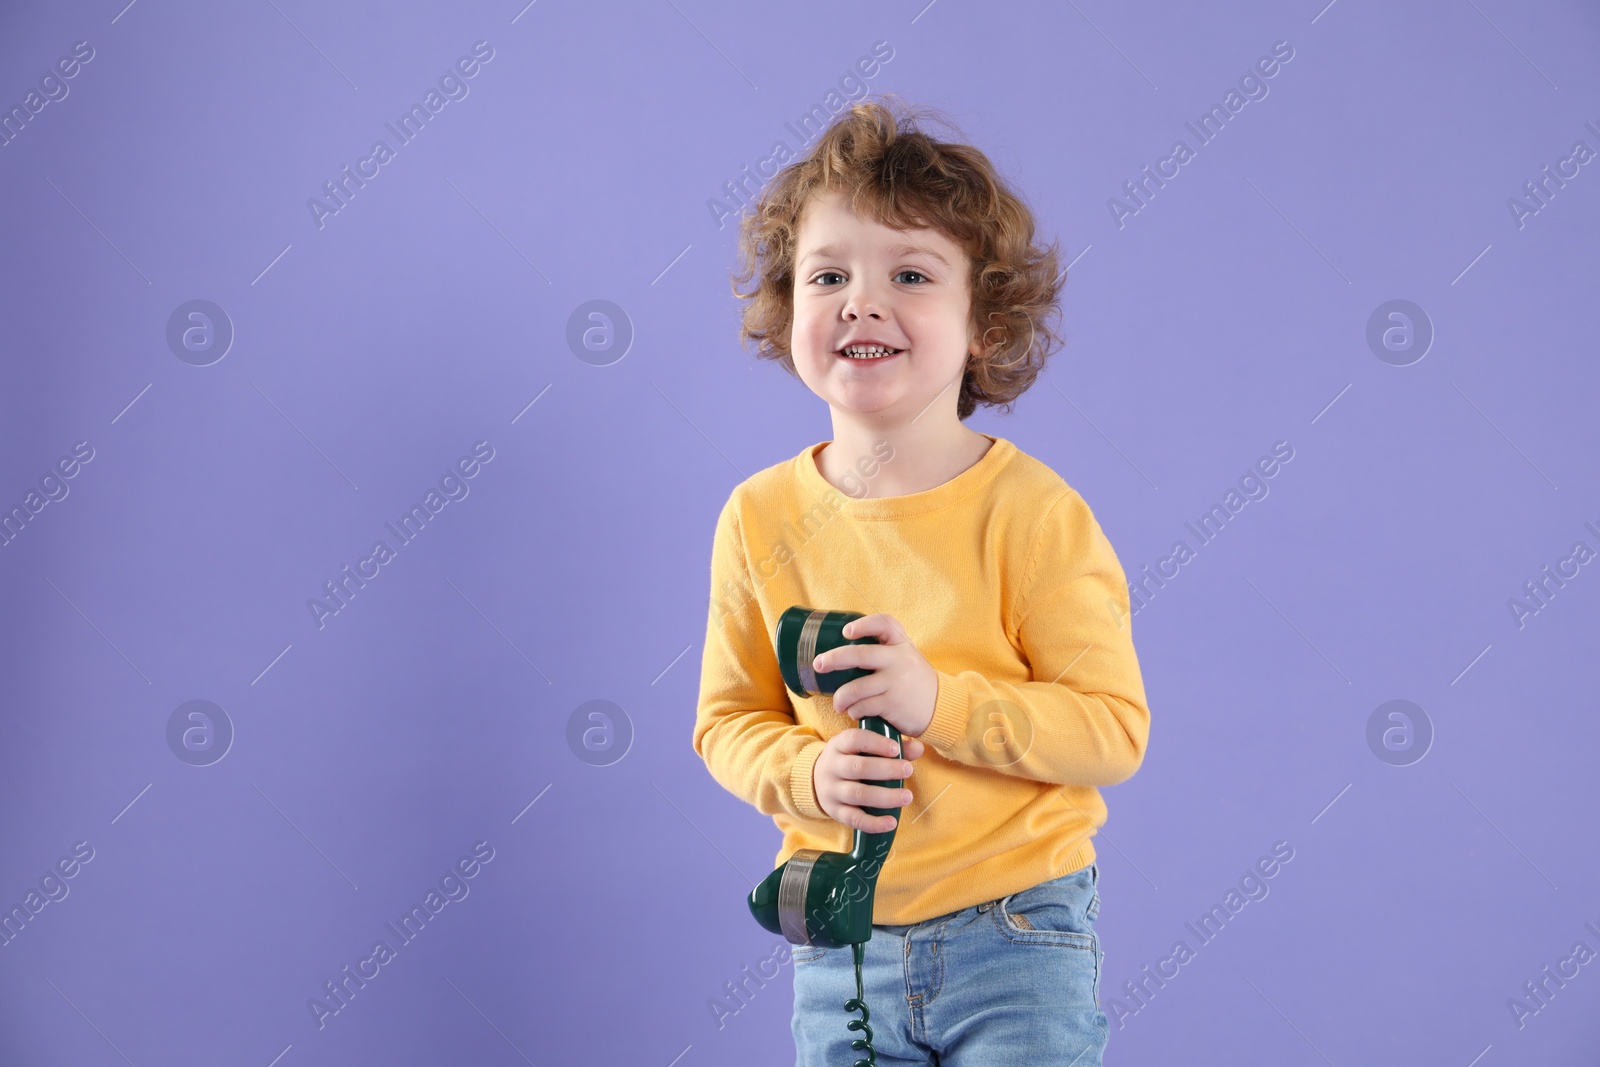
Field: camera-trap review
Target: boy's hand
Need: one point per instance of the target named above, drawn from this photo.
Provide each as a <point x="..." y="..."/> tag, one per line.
<point x="903" y="687"/>
<point x="853" y="758"/>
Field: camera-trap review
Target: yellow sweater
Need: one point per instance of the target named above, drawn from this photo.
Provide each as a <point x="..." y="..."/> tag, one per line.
<point x="1006" y="584"/>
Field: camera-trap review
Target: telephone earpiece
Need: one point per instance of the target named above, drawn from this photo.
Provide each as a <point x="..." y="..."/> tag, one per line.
<point x="817" y="897"/>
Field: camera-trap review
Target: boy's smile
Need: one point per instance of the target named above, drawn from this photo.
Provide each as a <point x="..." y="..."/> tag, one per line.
<point x="858" y="282"/>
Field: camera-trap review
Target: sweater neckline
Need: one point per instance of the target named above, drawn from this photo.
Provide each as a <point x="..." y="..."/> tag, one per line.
<point x="895" y="507"/>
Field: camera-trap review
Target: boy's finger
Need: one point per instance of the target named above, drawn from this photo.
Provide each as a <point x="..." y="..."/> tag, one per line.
<point x="869" y="742"/>
<point x="865" y="625"/>
<point x="884" y="797"/>
<point x="837" y="659"/>
<point x="902" y="750"/>
<point x="869" y="824"/>
<point x="887" y="769"/>
<point x="886" y="628"/>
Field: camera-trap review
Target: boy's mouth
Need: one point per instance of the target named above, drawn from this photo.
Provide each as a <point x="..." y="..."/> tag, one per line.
<point x="868" y="353"/>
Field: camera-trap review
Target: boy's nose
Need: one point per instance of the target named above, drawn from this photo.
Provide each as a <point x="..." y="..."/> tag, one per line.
<point x="862" y="300"/>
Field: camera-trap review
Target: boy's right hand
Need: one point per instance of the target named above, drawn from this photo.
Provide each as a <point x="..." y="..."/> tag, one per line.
<point x="851" y="759"/>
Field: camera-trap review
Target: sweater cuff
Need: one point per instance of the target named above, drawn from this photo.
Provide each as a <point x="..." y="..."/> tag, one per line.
<point x="800" y="784"/>
<point x="950" y="711"/>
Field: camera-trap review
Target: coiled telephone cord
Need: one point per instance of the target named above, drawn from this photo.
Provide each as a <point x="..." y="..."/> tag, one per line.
<point x="859" y="1003"/>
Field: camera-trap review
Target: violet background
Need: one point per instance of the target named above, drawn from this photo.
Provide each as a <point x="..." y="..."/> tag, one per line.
<point x="433" y="711"/>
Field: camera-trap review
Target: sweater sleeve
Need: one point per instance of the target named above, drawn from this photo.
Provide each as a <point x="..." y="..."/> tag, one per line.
<point x="744" y="728"/>
<point x="1082" y="719"/>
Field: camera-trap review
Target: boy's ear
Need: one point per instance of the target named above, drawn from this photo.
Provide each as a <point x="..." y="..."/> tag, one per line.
<point x="976" y="349"/>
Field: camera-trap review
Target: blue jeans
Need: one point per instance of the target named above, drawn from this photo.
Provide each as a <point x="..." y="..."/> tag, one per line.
<point x="1011" y="981"/>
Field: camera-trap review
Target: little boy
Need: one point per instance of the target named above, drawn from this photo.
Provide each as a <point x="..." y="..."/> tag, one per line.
<point x="898" y="279"/>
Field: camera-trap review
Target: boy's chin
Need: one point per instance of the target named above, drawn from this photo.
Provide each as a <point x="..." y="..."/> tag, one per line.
<point x="863" y="408"/>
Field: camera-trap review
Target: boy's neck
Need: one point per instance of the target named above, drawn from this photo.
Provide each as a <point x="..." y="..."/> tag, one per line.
<point x="922" y="455"/>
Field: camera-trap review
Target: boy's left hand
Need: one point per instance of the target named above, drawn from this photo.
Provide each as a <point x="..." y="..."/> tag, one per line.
<point x="903" y="686"/>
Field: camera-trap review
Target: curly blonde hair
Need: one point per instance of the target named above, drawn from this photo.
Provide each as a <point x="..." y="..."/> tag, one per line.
<point x="897" y="175"/>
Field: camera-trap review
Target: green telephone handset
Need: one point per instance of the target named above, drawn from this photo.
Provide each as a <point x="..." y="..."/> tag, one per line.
<point x="816" y="897"/>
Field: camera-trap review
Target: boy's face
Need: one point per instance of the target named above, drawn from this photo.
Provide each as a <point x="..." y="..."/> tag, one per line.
<point x="855" y="280"/>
